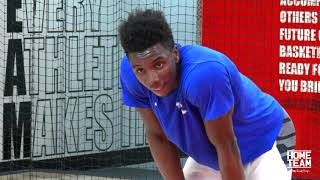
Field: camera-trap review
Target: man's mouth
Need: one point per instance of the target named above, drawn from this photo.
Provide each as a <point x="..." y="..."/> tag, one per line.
<point x="157" y="89"/>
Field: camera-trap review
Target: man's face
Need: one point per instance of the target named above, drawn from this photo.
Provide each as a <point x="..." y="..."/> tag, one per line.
<point x="156" y="68"/>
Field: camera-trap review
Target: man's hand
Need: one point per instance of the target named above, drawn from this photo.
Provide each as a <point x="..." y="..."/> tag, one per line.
<point x="221" y="135"/>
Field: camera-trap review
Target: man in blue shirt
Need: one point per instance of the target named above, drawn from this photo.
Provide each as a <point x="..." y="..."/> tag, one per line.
<point x="195" y="99"/>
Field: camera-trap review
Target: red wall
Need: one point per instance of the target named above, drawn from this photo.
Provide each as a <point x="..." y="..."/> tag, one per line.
<point x="248" y="32"/>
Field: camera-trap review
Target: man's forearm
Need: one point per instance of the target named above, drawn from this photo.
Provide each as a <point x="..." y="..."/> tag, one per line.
<point x="230" y="162"/>
<point x="166" y="157"/>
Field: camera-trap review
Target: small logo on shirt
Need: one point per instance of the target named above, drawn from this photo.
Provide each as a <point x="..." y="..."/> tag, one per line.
<point x="179" y="106"/>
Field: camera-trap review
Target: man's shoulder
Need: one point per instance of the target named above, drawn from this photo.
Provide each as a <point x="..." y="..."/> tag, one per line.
<point x="200" y="75"/>
<point x="193" y="55"/>
<point x="202" y="68"/>
<point x="197" y="50"/>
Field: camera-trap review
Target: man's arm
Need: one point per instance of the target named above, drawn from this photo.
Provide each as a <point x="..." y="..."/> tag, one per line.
<point x="221" y="135"/>
<point x="164" y="152"/>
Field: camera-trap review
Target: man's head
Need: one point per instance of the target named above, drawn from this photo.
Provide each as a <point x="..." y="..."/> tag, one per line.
<point x="148" y="42"/>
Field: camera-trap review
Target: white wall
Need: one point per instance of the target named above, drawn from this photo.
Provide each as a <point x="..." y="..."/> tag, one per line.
<point x="71" y="55"/>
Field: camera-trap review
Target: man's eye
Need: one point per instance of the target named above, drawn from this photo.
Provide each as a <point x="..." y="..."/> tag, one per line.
<point x="140" y="70"/>
<point x="159" y="65"/>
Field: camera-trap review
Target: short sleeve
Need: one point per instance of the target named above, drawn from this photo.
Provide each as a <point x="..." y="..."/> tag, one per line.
<point x="133" y="92"/>
<point x="209" y="89"/>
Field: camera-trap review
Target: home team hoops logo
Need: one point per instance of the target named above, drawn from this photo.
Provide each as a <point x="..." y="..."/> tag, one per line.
<point x="299" y="160"/>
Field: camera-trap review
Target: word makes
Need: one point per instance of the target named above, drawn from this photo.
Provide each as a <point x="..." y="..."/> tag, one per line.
<point x="79" y="123"/>
<point x="299" y="17"/>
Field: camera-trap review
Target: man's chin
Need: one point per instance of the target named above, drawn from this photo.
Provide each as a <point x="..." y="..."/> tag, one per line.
<point x="160" y="94"/>
<point x="163" y="93"/>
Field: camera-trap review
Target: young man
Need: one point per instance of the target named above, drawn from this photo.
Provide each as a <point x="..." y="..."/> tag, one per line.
<point x="195" y="99"/>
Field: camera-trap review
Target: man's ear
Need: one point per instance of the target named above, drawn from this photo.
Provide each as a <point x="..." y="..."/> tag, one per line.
<point x="176" y="55"/>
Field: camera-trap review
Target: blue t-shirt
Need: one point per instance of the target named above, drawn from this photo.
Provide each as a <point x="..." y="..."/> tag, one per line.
<point x="210" y="84"/>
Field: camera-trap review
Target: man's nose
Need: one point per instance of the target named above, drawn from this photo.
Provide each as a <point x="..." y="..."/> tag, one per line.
<point x="153" y="79"/>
